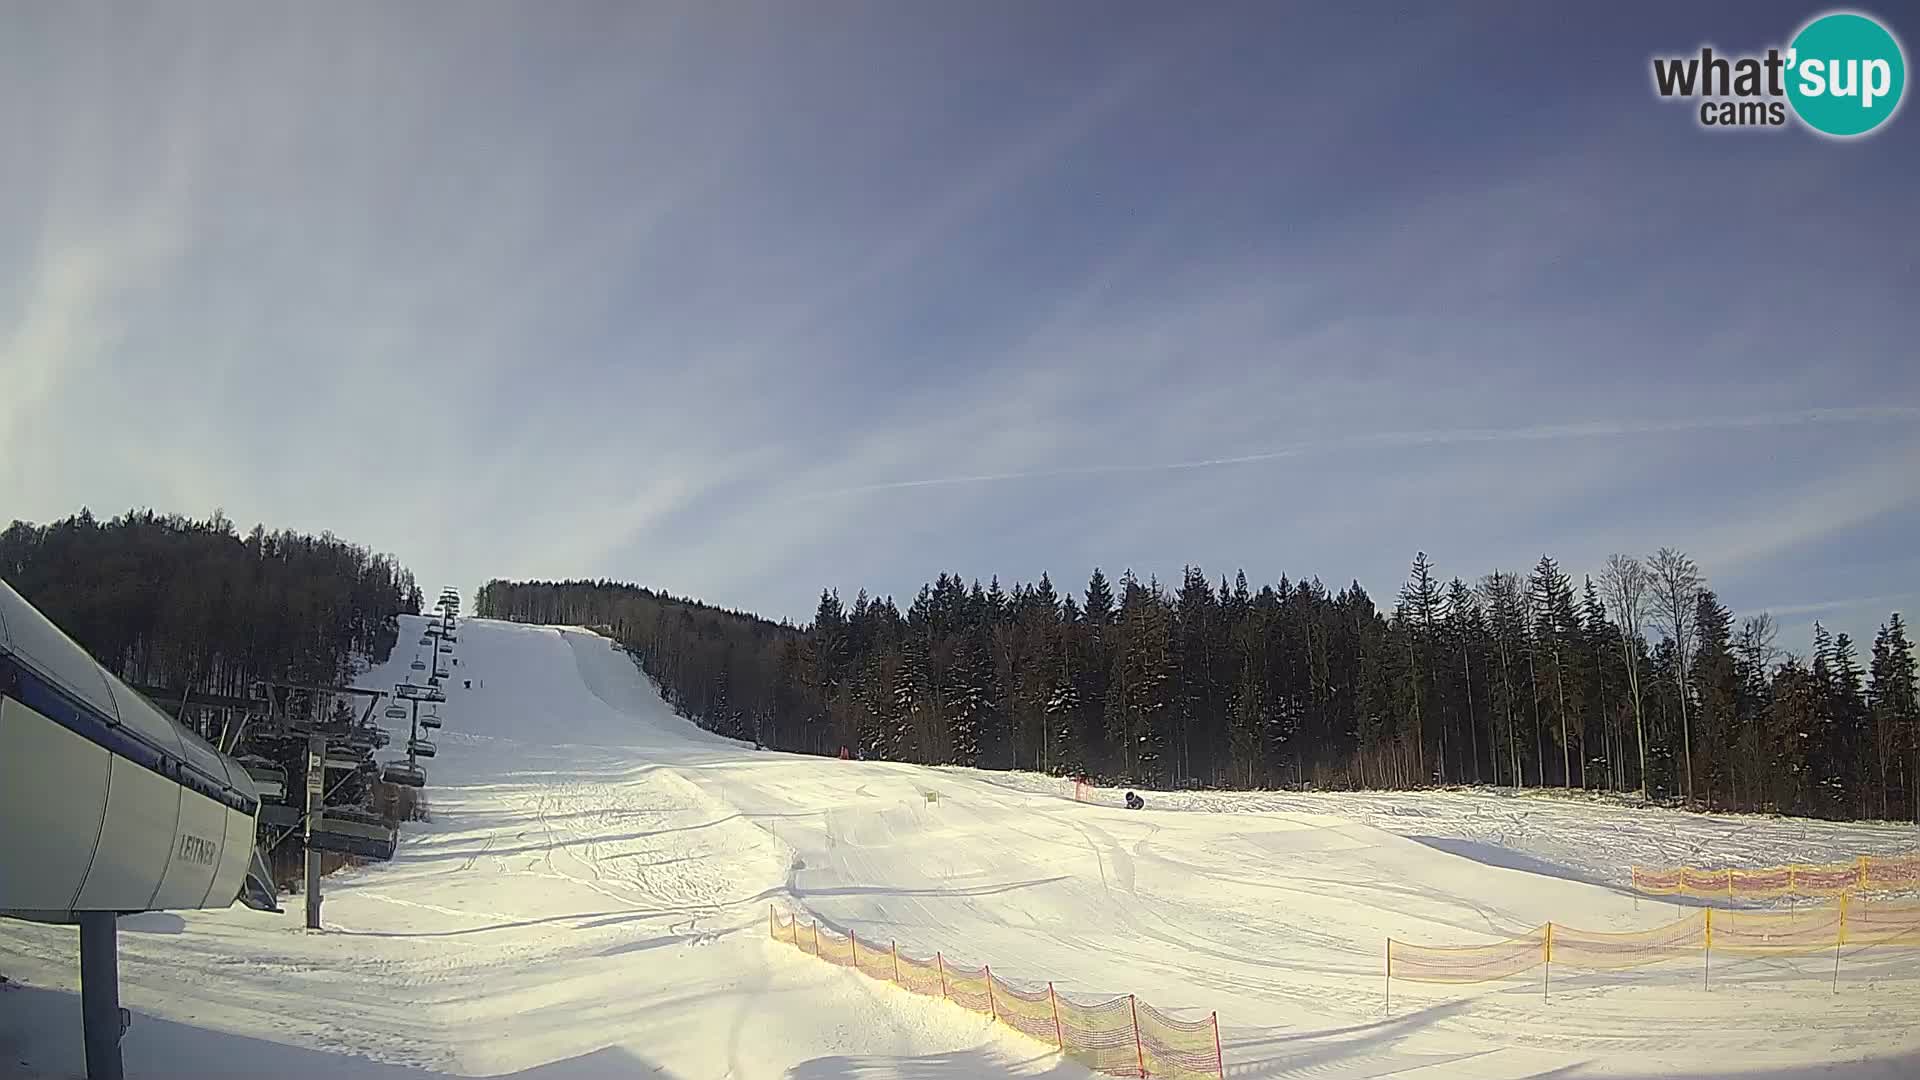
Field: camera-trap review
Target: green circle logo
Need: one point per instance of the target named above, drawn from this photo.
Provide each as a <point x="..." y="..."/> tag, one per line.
<point x="1845" y="74"/>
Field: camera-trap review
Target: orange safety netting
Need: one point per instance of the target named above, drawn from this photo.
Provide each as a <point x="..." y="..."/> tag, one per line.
<point x="1890" y="875"/>
<point x="1833" y="880"/>
<point x="1121" y="1037"/>
<point x="1467" y="963"/>
<point x="1868" y="873"/>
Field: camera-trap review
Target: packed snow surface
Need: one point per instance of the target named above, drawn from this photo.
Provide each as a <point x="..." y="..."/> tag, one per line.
<point x="591" y="897"/>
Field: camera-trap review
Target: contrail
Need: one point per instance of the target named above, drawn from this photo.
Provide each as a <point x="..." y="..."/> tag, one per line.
<point x="1593" y="429"/>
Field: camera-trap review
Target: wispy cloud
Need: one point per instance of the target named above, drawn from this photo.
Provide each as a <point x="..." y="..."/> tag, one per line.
<point x="1597" y="429"/>
<point x="709" y="298"/>
<point x="1876" y="604"/>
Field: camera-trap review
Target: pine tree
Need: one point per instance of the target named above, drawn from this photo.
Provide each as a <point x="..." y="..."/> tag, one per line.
<point x="1599" y="678"/>
<point x="1896" y="715"/>
<point x="1200" y="696"/>
<point x="1098" y="609"/>
<point x="1420" y="599"/>
<point x="1850" y="721"/>
<point x="1716" y="684"/>
<point x="1501" y="592"/>
<point x="1551" y="593"/>
<point x="1465" y="630"/>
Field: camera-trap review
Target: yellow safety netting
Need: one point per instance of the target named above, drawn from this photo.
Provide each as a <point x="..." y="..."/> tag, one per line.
<point x="1881" y="922"/>
<point x="1848" y="920"/>
<point x="1174" y="1047"/>
<point x="1467" y="963"/>
<point x="1598" y="951"/>
<point x="1775" y="933"/>
<point x="969" y="988"/>
<point x="1103" y="1037"/>
<point x="1029" y="1012"/>
<point x="873" y="960"/>
<point x="921" y="976"/>
<point x="1121" y="1037"/>
<point x="1868" y="873"/>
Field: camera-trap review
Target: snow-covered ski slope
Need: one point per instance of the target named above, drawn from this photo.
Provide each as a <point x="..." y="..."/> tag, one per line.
<point x="591" y="899"/>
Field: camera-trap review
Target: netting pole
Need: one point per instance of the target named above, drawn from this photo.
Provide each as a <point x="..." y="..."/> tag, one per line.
<point x="1219" y="1061"/>
<point x="991" y="1010"/>
<point x="1389" y="976"/>
<point x="1059" y="1033"/>
<point x="1706" y="977"/>
<point x="854" y="937"/>
<point x="1839" y="935"/>
<point x="942" y="965"/>
<point x="1863" y="871"/>
<point x="896" y="964"/>
<point x="1139" y="1048"/>
<point x="1546" y="984"/>
<point x="816" y="938"/>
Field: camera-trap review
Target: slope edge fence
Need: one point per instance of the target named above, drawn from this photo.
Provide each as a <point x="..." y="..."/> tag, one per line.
<point x="1120" y="1037"/>
<point x="1850" y="920"/>
<point x="1866" y="874"/>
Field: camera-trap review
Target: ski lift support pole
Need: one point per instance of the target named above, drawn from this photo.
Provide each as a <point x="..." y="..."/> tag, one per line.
<point x="316" y="777"/>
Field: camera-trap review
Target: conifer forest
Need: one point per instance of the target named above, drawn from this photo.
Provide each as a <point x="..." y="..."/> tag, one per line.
<point x="1633" y="679"/>
<point x="182" y="604"/>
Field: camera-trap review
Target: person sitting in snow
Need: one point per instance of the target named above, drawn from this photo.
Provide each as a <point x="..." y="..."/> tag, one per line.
<point x="1135" y="802"/>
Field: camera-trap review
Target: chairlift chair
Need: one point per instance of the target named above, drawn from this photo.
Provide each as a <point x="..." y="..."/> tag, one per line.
<point x="269" y="778"/>
<point x="396" y="712"/>
<point x="420" y="747"/>
<point x="403" y="774"/>
<point x="418" y="665"/>
<point x="366" y="740"/>
<point x="371" y="840"/>
<point x="429" y="721"/>
<point x="337" y="759"/>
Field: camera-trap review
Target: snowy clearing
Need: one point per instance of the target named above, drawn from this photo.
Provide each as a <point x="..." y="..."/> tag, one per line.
<point x="591" y="900"/>
<point x="1588" y="837"/>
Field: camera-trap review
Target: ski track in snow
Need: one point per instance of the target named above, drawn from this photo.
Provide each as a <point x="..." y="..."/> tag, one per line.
<point x="590" y="900"/>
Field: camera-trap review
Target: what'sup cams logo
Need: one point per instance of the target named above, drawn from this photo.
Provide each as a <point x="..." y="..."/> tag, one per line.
<point x="1842" y="75"/>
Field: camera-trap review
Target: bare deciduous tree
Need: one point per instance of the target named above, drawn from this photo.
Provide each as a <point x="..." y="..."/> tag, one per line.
<point x="1625" y="583"/>
<point x="1676" y="584"/>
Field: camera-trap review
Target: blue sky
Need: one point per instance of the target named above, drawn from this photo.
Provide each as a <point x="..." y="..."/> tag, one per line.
<point x="743" y="300"/>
